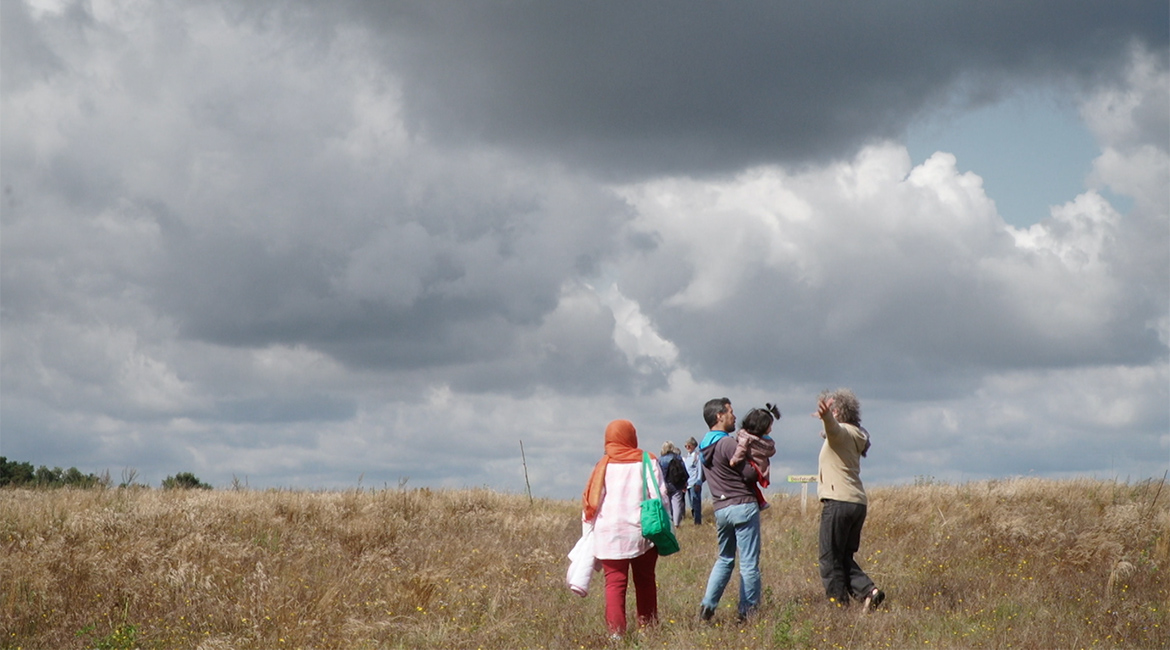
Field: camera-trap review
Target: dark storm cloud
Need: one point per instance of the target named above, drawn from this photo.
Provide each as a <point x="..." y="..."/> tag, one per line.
<point x="664" y="87"/>
<point x="469" y="290"/>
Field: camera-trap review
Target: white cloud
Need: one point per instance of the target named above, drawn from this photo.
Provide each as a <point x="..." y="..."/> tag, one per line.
<point x="150" y="384"/>
<point x="633" y="333"/>
<point x="1077" y="234"/>
<point x="290" y="364"/>
<point x="908" y="259"/>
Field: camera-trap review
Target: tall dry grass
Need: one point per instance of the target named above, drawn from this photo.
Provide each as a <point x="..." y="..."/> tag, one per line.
<point x="1004" y="564"/>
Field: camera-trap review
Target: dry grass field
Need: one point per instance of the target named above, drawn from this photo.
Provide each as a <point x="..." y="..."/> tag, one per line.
<point x="1020" y="563"/>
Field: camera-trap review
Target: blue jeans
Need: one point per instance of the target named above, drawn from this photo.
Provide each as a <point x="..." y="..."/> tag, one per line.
<point x="738" y="529"/>
<point x="695" y="494"/>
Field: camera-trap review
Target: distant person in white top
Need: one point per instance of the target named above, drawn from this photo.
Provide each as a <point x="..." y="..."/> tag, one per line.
<point x="694" y="462"/>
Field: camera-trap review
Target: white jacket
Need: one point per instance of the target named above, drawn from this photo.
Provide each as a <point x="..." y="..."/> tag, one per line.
<point x="581" y="562"/>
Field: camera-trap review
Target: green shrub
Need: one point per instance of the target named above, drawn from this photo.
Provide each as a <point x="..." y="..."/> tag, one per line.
<point x="184" y="481"/>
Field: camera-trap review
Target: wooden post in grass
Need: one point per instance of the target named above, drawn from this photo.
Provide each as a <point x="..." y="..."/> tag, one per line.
<point x="804" y="480"/>
<point x="525" y="463"/>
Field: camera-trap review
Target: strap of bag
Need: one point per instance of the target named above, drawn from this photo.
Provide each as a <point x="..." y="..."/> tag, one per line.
<point x="646" y="468"/>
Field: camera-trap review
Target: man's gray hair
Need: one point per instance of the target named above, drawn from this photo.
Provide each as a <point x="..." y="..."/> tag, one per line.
<point x="845" y="404"/>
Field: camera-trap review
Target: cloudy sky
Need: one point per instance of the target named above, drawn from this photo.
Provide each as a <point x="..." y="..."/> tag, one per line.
<point x="324" y="245"/>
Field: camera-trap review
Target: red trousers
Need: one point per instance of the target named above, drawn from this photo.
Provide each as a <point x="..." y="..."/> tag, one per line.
<point x="645" y="590"/>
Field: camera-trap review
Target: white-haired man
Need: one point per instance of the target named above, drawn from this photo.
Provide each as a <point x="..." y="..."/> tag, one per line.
<point x="843" y="499"/>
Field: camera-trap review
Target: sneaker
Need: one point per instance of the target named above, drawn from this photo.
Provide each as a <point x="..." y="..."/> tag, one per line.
<point x="874" y="599"/>
<point x="705" y="613"/>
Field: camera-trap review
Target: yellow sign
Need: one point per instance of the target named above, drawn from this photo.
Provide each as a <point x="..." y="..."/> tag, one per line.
<point x="802" y="478"/>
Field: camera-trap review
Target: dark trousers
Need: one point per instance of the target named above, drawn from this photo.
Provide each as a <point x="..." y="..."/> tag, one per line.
<point x="695" y="494"/>
<point x="840" y="538"/>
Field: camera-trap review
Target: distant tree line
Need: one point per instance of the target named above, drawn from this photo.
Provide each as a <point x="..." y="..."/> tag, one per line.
<point x="23" y="475"/>
<point x="18" y="474"/>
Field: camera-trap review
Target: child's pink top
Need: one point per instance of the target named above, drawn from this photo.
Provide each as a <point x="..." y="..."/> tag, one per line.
<point x="758" y="450"/>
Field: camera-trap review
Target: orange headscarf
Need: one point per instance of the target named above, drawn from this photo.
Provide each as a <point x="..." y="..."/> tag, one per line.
<point x="621" y="446"/>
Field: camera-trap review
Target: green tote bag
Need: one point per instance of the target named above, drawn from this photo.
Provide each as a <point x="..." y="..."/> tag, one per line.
<point x="656" y="524"/>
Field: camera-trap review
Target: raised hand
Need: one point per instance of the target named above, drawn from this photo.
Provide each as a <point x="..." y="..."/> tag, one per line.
<point x="824" y="409"/>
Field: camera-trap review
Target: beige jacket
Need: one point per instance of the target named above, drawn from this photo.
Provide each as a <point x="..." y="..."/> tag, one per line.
<point x="840" y="463"/>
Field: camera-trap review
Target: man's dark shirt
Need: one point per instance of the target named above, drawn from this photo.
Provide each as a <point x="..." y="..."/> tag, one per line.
<point x="729" y="485"/>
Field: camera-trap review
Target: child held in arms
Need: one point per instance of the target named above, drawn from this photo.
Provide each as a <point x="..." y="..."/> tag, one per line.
<point x="754" y="444"/>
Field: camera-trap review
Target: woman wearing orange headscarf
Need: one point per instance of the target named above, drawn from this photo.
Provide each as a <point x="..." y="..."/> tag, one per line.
<point x="612" y="502"/>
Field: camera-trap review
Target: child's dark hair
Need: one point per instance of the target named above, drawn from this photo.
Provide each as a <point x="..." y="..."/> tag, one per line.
<point x="758" y="421"/>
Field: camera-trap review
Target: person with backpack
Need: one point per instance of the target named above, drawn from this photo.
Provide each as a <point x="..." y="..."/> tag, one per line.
<point x="675" y="473"/>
